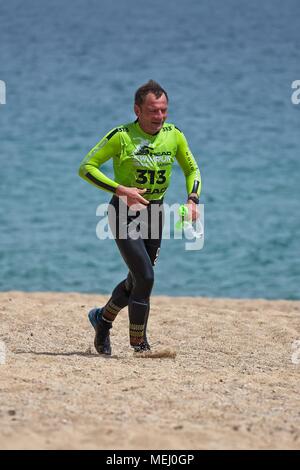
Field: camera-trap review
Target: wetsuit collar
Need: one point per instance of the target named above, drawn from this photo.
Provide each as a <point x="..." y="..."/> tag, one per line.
<point x="143" y="132"/>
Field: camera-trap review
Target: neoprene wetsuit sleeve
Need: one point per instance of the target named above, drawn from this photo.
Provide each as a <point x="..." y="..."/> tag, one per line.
<point x="188" y="164"/>
<point x="107" y="148"/>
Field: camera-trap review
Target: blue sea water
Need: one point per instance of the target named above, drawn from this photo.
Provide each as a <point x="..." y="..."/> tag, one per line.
<point x="71" y="69"/>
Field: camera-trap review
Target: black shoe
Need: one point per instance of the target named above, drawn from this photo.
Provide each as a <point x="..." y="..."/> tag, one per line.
<point x="143" y="346"/>
<point x="101" y="327"/>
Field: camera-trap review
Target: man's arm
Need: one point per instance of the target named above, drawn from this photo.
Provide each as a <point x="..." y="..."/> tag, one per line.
<point x="107" y="148"/>
<point x="191" y="172"/>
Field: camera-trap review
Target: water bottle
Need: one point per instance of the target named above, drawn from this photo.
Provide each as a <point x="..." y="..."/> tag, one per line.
<point x="191" y="230"/>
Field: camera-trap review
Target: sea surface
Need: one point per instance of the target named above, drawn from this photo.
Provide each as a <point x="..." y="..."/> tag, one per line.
<point x="71" y="69"/>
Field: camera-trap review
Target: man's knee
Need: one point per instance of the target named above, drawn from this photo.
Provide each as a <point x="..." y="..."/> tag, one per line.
<point x="144" y="283"/>
<point x="149" y="280"/>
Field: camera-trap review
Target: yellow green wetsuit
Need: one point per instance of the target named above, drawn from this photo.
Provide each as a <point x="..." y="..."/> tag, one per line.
<point x="141" y="160"/>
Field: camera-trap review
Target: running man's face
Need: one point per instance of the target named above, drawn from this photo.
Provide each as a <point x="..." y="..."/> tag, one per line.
<point x="152" y="113"/>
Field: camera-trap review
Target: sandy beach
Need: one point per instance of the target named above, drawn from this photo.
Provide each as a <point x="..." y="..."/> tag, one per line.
<point x="234" y="383"/>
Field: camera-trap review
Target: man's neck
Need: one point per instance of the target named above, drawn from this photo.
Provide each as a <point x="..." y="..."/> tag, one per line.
<point x="137" y="122"/>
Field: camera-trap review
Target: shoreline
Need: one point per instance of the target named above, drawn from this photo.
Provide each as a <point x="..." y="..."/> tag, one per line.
<point x="158" y="296"/>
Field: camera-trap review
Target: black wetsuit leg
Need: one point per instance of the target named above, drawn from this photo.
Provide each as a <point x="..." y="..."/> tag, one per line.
<point x="139" y="255"/>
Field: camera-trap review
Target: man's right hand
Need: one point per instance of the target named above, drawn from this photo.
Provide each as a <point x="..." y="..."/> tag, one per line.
<point x="132" y="196"/>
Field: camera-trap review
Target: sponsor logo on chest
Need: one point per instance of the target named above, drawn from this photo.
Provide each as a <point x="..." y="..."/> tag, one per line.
<point x="145" y="155"/>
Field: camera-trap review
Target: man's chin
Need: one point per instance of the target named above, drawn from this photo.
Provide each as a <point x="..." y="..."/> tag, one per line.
<point x="157" y="127"/>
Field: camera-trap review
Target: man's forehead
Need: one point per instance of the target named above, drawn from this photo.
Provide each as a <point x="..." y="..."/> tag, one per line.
<point x="151" y="100"/>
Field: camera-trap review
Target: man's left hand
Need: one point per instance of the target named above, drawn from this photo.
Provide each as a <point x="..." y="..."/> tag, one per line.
<point x="193" y="210"/>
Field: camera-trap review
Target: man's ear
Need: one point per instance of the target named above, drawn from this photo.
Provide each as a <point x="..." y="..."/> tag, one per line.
<point x="137" y="110"/>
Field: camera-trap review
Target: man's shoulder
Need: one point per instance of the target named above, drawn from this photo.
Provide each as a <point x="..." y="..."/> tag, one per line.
<point x="169" y="126"/>
<point x="121" y="128"/>
<point x="113" y="133"/>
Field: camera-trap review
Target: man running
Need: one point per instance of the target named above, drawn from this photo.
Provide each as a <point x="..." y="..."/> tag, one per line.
<point x="143" y="154"/>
